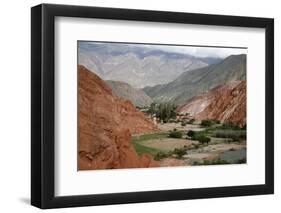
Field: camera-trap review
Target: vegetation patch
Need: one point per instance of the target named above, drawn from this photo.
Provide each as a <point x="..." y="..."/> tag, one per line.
<point x="198" y="135"/>
<point x="209" y="123"/>
<point x="232" y="126"/>
<point x="176" y="153"/>
<point x="235" y="135"/>
<point x="241" y="161"/>
<point x="163" y="111"/>
<point x="203" y="139"/>
<point x="190" y="133"/>
<point x="175" y="134"/>
<point x="141" y="149"/>
<point x="160" y="155"/>
<point x="227" y="130"/>
<point x="211" y="162"/>
<point x="179" y="152"/>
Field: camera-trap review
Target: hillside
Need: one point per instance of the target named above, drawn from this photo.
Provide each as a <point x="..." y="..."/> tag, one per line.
<point x="195" y="82"/>
<point x="226" y="103"/>
<point x="105" y="125"/>
<point x="137" y="65"/>
<point x="137" y="96"/>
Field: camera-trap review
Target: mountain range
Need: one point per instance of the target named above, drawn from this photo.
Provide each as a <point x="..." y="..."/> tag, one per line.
<point x="198" y="81"/>
<point x="137" y="96"/>
<point x="138" y="65"/>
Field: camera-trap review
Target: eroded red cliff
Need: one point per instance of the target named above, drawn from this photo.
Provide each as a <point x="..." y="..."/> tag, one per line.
<point x="106" y="123"/>
<point x="226" y="103"/>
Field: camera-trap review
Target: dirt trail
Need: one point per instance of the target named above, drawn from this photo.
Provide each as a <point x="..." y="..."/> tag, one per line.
<point x="168" y="144"/>
<point x="170" y="126"/>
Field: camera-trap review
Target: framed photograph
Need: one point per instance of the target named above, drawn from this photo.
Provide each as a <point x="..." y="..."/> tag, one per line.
<point x="139" y="106"/>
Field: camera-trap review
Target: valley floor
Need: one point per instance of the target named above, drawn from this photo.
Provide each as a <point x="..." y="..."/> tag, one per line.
<point x="185" y="151"/>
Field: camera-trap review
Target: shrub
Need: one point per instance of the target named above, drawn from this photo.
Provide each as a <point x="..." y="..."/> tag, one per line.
<point x="230" y="126"/>
<point x="211" y="162"/>
<point x="235" y="135"/>
<point x="190" y="133"/>
<point x="217" y="121"/>
<point x="241" y="161"/>
<point x="203" y="139"/>
<point x="207" y="123"/>
<point x="183" y="123"/>
<point x="191" y="121"/>
<point x="160" y="155"/>
<point x="196" y="146"/>
<point x="175" y="134"/>
<point x="235" y="138"/>
<point x="179" y="152"/>
<point x="199" y="136"/>
<point x="196" y="136"/>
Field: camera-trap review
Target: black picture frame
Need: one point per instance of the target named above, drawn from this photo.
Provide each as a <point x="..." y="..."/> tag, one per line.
<point x="43" y="102"/>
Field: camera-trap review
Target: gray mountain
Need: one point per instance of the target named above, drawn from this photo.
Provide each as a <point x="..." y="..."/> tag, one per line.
<point x="126" y="91"/>
<point x="195" y="82"/>
<point x="138" y="65"/>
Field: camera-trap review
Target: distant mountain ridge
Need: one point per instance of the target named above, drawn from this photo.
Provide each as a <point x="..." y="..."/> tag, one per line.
<point x="195" y="82"/>
<point x="137" y="96"/>
<point x="138" y="66"/>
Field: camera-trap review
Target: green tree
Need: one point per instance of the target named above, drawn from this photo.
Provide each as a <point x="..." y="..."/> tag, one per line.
<point x="163" y="111"/>
<point x="175" y="134"/>
<point x="207" y="123"/>
<point x="203" y="139"/>
<point x="179" y="152"/>
<point x="190" y="133"/>
<point x="152" y="108"/>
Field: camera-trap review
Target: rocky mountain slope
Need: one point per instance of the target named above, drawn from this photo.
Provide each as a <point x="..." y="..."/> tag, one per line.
<point x="105" y="125"/>
<point x="138" y="65"/>
<point x="226" y="103"/>
<point x="192" y="83"/>
<point x="137" y="96"/>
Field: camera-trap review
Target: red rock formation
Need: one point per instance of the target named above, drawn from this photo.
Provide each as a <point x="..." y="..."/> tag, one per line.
<point x="106" y="123"/>
<point x="226" y="103"/>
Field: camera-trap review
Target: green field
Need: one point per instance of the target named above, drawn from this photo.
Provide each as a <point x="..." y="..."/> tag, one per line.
<point x="141" y="149"/>
<point x="218" y="133"/>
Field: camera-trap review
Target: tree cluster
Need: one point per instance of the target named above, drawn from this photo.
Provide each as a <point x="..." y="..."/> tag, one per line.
<point x="163" y="111"/>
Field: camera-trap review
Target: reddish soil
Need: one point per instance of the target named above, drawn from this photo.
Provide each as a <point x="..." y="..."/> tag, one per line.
<point x="226" y="103"/>
<point x="106" y="123"/>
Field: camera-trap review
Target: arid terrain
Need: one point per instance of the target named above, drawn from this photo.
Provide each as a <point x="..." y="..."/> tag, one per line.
<point x="186" y="151"/>
<point x="226" y="103"/>
<point x="106" y="123"/>
<point x="141" y="107"/>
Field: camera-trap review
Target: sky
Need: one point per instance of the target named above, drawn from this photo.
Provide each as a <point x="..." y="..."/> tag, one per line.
<point x="197" y="51"/>
<point x="219" y="52"/>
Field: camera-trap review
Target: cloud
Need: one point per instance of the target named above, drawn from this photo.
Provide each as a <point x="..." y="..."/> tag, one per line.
<point x="197" y="51"/>
<point x="220" y="52"/>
